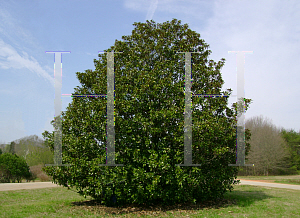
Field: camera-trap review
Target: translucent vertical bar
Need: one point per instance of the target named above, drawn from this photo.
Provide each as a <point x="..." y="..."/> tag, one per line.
<point x="57" y="108"/>
<point x="241" y="110"/>
<point x="110" y="109"/>
<point x="188" y="157"/>
<point x="188" y="111"/>
<point x="240" y="137"/>
<point x="110" y="137"/>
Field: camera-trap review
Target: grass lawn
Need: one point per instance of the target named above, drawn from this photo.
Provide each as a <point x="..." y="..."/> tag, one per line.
<point x="243" y="201"/>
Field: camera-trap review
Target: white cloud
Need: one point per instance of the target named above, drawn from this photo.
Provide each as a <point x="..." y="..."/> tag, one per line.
<point x="188" y="8"/>
<point x="137" y="5"/>
<point x="11" y="27"/>
<point x="271" y="29"/>
<point x="152" y="9"/>
<point x="9" y="58"/>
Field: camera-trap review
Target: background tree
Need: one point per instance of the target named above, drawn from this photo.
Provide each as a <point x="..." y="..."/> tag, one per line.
<point x="293" y="141"/>
<point x="5" y="148"/>
<point x="32" y="149"/>
<point x="11" y="148"/>
<point x="13" y="168"/>
<point x="269" y="152"/>
<point x="39" y="155"/>
<point x="149" y="122"/>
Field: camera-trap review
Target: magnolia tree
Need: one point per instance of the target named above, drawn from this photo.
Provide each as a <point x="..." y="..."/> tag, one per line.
<point x="149" y="123"/>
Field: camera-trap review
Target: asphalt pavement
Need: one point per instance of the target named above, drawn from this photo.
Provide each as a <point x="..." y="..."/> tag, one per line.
<point x="269" y="184"/>
<point x="26" y="185"/>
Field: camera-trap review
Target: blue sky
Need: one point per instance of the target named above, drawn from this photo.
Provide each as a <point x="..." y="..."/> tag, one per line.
<point x="271" y="29"/>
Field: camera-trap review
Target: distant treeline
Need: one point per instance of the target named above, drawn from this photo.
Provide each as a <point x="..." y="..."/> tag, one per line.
<point x="31" y="148"/>
<point x="273" y="151"/>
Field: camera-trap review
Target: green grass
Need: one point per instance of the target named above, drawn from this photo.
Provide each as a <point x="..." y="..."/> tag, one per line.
<point x="243" y="201"/>
<point x="289" y="181"/>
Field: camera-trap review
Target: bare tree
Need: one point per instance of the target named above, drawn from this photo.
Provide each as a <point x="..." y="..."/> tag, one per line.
<point x="269" y="151"/>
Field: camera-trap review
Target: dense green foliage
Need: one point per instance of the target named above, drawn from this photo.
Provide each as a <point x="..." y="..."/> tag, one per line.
<point x="292" y="139"/>
<point x="12" y="168"/>
<point x="149" y="121"/>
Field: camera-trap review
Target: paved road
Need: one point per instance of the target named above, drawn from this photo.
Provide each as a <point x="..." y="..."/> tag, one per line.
<point x="35" y="185"/>
<point x="269" y="184"/>
<point x="29" y="185"/>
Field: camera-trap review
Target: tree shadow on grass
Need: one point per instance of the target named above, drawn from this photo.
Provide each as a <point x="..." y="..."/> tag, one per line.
<point x="246" y="198"/>
<point x="234" y="198"/>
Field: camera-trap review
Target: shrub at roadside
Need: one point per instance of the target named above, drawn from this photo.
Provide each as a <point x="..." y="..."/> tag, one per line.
<point x="12" y="168"/>
<point x="149" y="123"/>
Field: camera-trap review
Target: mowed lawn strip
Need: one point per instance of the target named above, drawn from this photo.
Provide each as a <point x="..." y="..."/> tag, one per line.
<point x="244" y="201"/>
